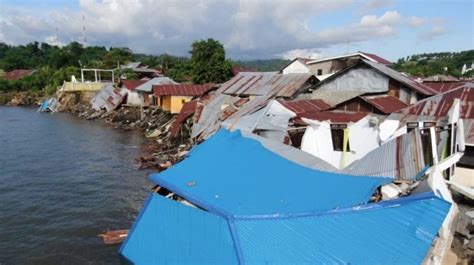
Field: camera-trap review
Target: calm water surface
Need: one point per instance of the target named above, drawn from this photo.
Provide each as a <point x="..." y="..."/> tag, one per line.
<point x="62" y="181"/>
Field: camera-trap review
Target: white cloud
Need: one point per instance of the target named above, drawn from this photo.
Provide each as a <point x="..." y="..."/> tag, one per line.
<point x="416" y="21"/>
<point x="304" y="53"/>
<point x="367" y="6"/>
<point x="247" y="28"/>
<point x="434" y="32"/>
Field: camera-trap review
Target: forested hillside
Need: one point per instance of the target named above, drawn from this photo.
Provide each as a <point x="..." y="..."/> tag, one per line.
<point x="427" y="64"/>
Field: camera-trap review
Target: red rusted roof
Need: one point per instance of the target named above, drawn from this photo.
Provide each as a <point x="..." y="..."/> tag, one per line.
<point x="305" y="105"/>
<point x="439" y="105"/>
<point x="377" y="58"/>
<point x="386" y="104"/>
<point x="186" y="111"/>
<point x="334" y="117"/>
<point x="17" y="74"/>
<point x="182" y="89"/>
<point x="443" y="86"/>
<point x="132" y="84"/>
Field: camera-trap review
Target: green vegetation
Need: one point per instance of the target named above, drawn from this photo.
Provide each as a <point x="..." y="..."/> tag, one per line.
<point x="265" y="65"/>
<point x="428" y="64"/>
<point x="208" y="63"/>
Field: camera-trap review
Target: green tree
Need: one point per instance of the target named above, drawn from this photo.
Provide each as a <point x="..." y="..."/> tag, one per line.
<point x="117" y="56"/>
<point x="208" y="62"/>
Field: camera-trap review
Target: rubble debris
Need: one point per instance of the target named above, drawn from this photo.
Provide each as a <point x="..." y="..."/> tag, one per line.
<point x="114" y="236"/>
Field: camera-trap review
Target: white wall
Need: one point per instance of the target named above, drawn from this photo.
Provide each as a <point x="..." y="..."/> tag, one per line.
<point x="134" y="98"/>
<point x="317" y="141"/>
<point x="296" y="67"/>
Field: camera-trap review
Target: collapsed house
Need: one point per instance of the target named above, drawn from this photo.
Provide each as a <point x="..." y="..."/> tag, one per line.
<point x="133" y="97"/>
<point x="214" y="223"/>
<point x="145" y="90"/>
<point x="447" y="111"/>
<point x="244" y="94"/>
<point x="108" y="98"/>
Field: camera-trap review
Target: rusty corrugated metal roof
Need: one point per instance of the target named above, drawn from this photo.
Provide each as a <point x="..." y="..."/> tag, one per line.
<point x="386" y="104"/>
<point x="439" y="105"/>
<point x="187" y="110"/>
<point x="265" y="83"/>
<point x="132" y="84"/>
<point x="181" y="89"/>
<point x="333" y="116"/>
<point x="305" y="105"/>
<point x="444" y="86"/>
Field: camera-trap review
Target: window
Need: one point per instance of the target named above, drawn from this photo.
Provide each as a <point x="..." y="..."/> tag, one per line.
<point x="183" y="101"/>
<point x="320" y="71"/>
<point x="337" y="135"/>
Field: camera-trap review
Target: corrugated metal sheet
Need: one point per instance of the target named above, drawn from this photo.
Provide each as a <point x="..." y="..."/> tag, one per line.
<point x="108" y="98"/>
<point x="332" y="98"/>
<point x="168" y="232"/>
<point x="376" y="58"/>
<point x="386" y="104"/>
<point x="305" y="105"/>
<point x="132" y="84"/>
<point x="227" y="164"/>
<point x="442" y="87"/>
<point x="439" y="105"/>
<point x="410" y="83"/>
<point x="182" y="89"/>
<point x="148" y="86"/>
<point x="401" y="158"/>
<point x="186" y="111"/>
<point x="266" y="83"/>
<point x="333" y="116"/>
<point x="399" y="231"/>
<point x="395" y="232"/>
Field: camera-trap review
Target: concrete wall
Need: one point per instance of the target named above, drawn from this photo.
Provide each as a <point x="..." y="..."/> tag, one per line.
<point x="134" y="98"/>
<point x="173" y="104"/>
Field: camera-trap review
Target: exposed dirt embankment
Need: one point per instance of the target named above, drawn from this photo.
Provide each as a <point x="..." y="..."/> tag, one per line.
<point x="26" y="98"/>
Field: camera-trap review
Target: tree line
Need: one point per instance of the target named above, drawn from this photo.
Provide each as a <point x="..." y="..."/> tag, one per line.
<point x="55" y="64"/>
<point x="427" y="64"/>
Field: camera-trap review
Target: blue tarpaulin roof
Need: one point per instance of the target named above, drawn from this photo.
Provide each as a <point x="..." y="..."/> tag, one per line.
<point x="232" y="175"/>
<point x="394" y="232"/>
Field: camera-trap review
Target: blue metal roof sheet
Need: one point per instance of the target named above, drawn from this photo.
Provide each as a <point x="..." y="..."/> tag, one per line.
<point x="397" y="232"/>
<point x="393" y="232"/>
<point x="167" y="232"/>
<point x="232" y="175"/>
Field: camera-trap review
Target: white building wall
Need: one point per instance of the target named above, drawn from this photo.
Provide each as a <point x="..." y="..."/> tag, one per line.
<point x="317" y="141"/>
<point x="296" y="67"/>
<point x="134" y="98"/>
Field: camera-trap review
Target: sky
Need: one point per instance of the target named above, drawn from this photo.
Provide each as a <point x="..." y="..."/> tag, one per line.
<point x="248" y="29"/>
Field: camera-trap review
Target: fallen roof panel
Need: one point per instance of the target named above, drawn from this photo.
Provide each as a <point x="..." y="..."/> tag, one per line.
<point x="393" y="232"/>
<point x="398" y="231"/>
<point x="219" y="170"/>
<point x="401" y="158"/>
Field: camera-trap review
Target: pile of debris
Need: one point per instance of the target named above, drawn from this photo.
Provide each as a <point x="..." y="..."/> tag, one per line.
<point x="463" y="242"/>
